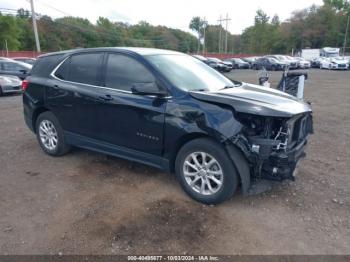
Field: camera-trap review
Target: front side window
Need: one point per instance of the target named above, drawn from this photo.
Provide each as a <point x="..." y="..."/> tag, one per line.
<point x="123" y="72"/>
<point x="189" y="74"/>
<point x="81" y="68"/>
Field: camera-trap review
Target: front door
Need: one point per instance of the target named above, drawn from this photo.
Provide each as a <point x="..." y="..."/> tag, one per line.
<point x="126" y="119"/>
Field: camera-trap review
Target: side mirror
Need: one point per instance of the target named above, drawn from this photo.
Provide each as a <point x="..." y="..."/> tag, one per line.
<point x="148" y="89"/>
<point x="23" y="71"/>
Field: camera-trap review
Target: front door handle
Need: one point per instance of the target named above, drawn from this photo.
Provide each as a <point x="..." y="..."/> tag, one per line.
<point x="106" y="97"/>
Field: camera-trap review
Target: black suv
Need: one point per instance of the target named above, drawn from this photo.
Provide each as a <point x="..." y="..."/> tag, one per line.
<point x="168" y="110"/>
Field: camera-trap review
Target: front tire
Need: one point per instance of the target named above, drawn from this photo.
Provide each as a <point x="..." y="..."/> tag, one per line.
<point x="205" y="171"/>
<point x="50" y="135"/>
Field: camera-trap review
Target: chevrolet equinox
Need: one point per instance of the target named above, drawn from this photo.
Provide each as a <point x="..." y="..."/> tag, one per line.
<point x="168" y="110"/>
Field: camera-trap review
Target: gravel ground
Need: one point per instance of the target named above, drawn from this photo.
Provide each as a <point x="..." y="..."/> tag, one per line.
<point x="89" y="203"/>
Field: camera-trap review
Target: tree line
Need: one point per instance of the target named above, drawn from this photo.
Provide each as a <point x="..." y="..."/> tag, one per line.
<point x="313" y="27"/>
<point x="73" y="32"/>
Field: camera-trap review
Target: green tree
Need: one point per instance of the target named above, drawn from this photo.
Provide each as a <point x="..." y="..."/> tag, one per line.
<point x="9" y="32"/>
<point x="197" y="25"/>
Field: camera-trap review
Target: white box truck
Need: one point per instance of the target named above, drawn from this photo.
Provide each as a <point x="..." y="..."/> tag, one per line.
<point x="310" y="54"/>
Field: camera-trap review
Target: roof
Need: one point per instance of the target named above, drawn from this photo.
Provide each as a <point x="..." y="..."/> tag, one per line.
<point x="139" y="50"/>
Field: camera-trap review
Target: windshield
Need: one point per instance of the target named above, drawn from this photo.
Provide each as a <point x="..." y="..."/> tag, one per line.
<point x="280" y="58"/>
<point x="214" y="59"/>
<point x="274" y="60"/>
<point x="189" y="74"/>
<point x="289" y="58"/>
<point x="332" y="54"/>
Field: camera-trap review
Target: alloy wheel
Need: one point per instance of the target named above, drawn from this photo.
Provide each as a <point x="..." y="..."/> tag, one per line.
<point x="203" y="173"/>
<point x="48" y="135"/>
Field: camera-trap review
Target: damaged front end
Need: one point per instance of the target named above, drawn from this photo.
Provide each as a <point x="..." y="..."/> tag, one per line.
<point x="273" y="145"/>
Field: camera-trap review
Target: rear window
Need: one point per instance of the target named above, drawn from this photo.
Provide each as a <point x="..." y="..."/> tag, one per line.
<point x="43" y="66"/>
<point x="9" y="66"/>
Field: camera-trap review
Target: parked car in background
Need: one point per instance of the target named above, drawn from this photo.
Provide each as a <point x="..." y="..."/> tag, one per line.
<point x="10" y="84"/>
<point x="168" y="110"/>
<point x="338" y="63"/>
<point x="250" y="60"/>
<point x="316" y="62"/>
<point x="219" y="64"/>
<point x="27" y="60"/>
<point x="303" y="64"/>
<point x="212" y="64"/>
<point x="15" y="68"/>
<point x="269" y="63"/>
<point x="238" y="63"/>
<point x="290" y="61"/>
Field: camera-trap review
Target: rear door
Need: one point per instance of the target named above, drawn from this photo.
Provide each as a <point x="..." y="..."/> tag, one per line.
<point x="73" y="93"/>
<point x="126" y="119"/>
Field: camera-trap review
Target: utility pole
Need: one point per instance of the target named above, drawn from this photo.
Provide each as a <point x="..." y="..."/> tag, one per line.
<point x="346" y="35"/>
<point x="226" y="20"/>
<point x="220" y="32"/>
<point x="35" y="27"/>
<point x="6" y="48"/>
<point x="204" y="28"/>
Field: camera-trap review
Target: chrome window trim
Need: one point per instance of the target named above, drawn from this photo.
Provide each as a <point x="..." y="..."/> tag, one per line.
<point x="102" y="87"/>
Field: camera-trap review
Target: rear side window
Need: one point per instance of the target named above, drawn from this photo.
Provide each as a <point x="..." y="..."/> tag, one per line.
<point x="84" y="68"/>
<point x="8" y="66"/>
<point x="62" y="71"/>
<point x="44" y="65"/>
<point x="123" y="71"/>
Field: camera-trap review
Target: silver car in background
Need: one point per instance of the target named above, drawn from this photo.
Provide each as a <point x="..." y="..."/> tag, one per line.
<point x="10" y="84"/>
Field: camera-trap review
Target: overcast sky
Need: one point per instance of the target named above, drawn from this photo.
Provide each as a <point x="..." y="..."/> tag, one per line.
<point x="171" y="13"/>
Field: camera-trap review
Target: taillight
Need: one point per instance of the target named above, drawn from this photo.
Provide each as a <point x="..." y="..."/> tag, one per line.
<point x="25" y="84"/>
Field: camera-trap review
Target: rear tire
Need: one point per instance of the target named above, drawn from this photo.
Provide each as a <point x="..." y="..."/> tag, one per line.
<point x="216" y="172"/>
<point x="50" y="135"/>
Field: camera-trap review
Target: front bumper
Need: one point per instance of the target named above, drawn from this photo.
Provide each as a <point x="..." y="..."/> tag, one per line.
<point x="339" y="66"/>
<point x="281" y="166"/>
<point x="277" y="158"/>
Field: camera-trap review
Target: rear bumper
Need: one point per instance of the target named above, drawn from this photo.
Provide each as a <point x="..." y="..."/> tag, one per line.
<point x="11" y="89"/>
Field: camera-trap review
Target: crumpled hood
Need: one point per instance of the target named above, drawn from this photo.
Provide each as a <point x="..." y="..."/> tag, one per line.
<point x="254" y="99"/>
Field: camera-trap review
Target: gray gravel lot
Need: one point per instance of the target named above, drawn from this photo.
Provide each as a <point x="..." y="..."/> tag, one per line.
<point x="89" y="203"/>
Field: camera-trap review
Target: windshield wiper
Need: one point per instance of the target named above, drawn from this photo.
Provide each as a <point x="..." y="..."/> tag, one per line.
<point x="226" y="87"/>
<point x="199" y="90"/>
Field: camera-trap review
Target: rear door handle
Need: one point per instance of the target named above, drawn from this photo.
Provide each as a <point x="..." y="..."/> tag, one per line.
<point x="106" y="97"/>
<point x="55" y="87"/>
